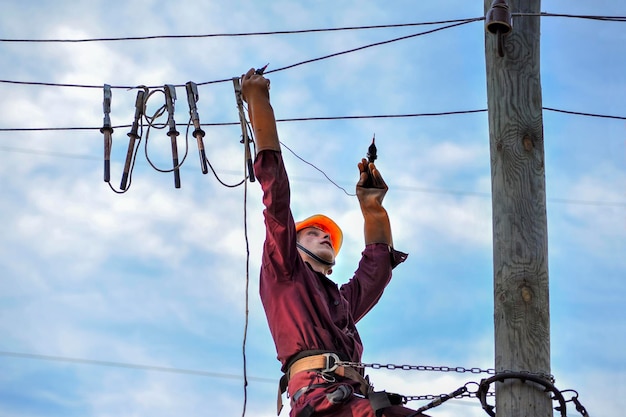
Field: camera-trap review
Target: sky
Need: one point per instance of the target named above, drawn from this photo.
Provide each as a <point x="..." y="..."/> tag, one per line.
<point x="137" y="304"/>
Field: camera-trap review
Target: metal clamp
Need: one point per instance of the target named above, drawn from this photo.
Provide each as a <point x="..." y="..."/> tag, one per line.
<point x="107" y="130"/>
<point x="170" y="98"/>
<point x="245" y="138"/>
<point x="133" y="135"/>
<point x="198" y="133"/>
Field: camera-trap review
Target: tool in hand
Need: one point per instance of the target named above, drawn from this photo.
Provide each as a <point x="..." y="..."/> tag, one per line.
<point x="261" y="70"/>
<point x="371" y="151"/>
<point x="371" y="157"/>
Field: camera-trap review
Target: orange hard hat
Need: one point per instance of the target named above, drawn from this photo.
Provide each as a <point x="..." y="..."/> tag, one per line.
<point x="326" y="224"/>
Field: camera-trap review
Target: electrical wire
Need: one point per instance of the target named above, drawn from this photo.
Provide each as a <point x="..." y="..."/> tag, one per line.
<point x="132" y="168"/>
<point x="575" y="16"/>
<point x="247" y="292"/>
<point x="322" y="118"/>
<point x="236" y="34"/>
<point x="401" y="38"/>
<point x="318" y="169"/>
<point x="604" y="116"/>
<point x="114" y="364"/>
<point x="302" y="31"/>
<point x="152" y="123"/>
<point x="247" y="176"/>
<point x="454" y="23"/>
<point x="308" y="61"/>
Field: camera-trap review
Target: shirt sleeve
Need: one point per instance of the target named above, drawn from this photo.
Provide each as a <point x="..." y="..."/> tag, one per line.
<point x="279" y="250"/>
<point x="371" y="277"/>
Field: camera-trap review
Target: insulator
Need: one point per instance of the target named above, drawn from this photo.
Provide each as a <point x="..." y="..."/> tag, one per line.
<point x="498" y="18"/>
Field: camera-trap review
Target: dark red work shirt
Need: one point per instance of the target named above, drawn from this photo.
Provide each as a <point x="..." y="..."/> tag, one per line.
<point x="305" y="309"/>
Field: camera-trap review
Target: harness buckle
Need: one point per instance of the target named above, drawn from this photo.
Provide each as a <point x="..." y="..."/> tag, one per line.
<point x="332" y="362"/>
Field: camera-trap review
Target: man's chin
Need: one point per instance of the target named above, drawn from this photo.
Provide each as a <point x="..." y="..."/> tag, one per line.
<point x="328" y="257"/>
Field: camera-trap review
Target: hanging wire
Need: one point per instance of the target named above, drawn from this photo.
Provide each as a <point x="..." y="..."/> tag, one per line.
<point x="247" y="293"/>
<point x="247" y="176"/>
<point x="152" y="123"/>
<point x="318" y="169"/>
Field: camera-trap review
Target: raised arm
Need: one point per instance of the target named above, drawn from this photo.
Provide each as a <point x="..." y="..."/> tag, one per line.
<point x="255" y="91"/>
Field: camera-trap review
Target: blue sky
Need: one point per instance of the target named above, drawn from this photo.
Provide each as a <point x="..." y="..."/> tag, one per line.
<point x="156" y="278"/>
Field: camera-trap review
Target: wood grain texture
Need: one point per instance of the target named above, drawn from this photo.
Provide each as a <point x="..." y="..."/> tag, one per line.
<point x="520" y="252"/>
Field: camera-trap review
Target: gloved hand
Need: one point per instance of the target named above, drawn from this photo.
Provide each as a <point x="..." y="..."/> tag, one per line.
<point x="377" y="227"/>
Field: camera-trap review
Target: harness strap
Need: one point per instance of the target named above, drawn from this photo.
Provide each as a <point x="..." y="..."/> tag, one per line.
<point x="379" y="401"/>
<point x="324" y="363"/>
<point x="328" y="363"/>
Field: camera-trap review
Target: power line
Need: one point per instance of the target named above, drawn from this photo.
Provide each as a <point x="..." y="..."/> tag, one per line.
<point x="605" y="116"/>
<point x="238" y="34"/>
<point x="451" y="24"/>
<point x="319" y="118"/>
<point x="286" y="120"/>
<point x="302" y="31"/>
<point x="575" y="16"/>
<point x="131" y="366"/>
<point x="308" y="61"/>
<point x="428" y="32"/>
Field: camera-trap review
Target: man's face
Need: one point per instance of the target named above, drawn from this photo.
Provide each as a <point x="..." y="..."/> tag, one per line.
<point x="317" y="241"/>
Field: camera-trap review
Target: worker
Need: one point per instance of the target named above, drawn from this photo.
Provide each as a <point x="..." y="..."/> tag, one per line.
<point x="312" y="320"/>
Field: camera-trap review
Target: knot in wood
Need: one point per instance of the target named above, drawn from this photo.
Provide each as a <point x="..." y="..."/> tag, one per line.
<point x="527" y="294"/>
<point x="528" y="143"/>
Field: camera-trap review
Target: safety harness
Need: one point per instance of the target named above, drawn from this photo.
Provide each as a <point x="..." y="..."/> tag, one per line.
<point x="329" y="363"/>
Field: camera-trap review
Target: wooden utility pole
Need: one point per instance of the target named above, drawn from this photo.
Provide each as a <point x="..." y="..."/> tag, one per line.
<point x="520" y="240"/>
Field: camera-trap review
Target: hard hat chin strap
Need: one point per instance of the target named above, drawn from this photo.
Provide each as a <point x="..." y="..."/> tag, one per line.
<point x="314" y="256"/>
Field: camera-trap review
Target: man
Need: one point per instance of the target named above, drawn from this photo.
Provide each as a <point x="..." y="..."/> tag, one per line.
<point x="311" y="319"/>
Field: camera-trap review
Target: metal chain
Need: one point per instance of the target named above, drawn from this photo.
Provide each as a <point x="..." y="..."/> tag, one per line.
<point x="464" y="392"/>
<point x="459" y="369"/>
<point x="430" y="397"/>
<point x="391" y="366"/>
